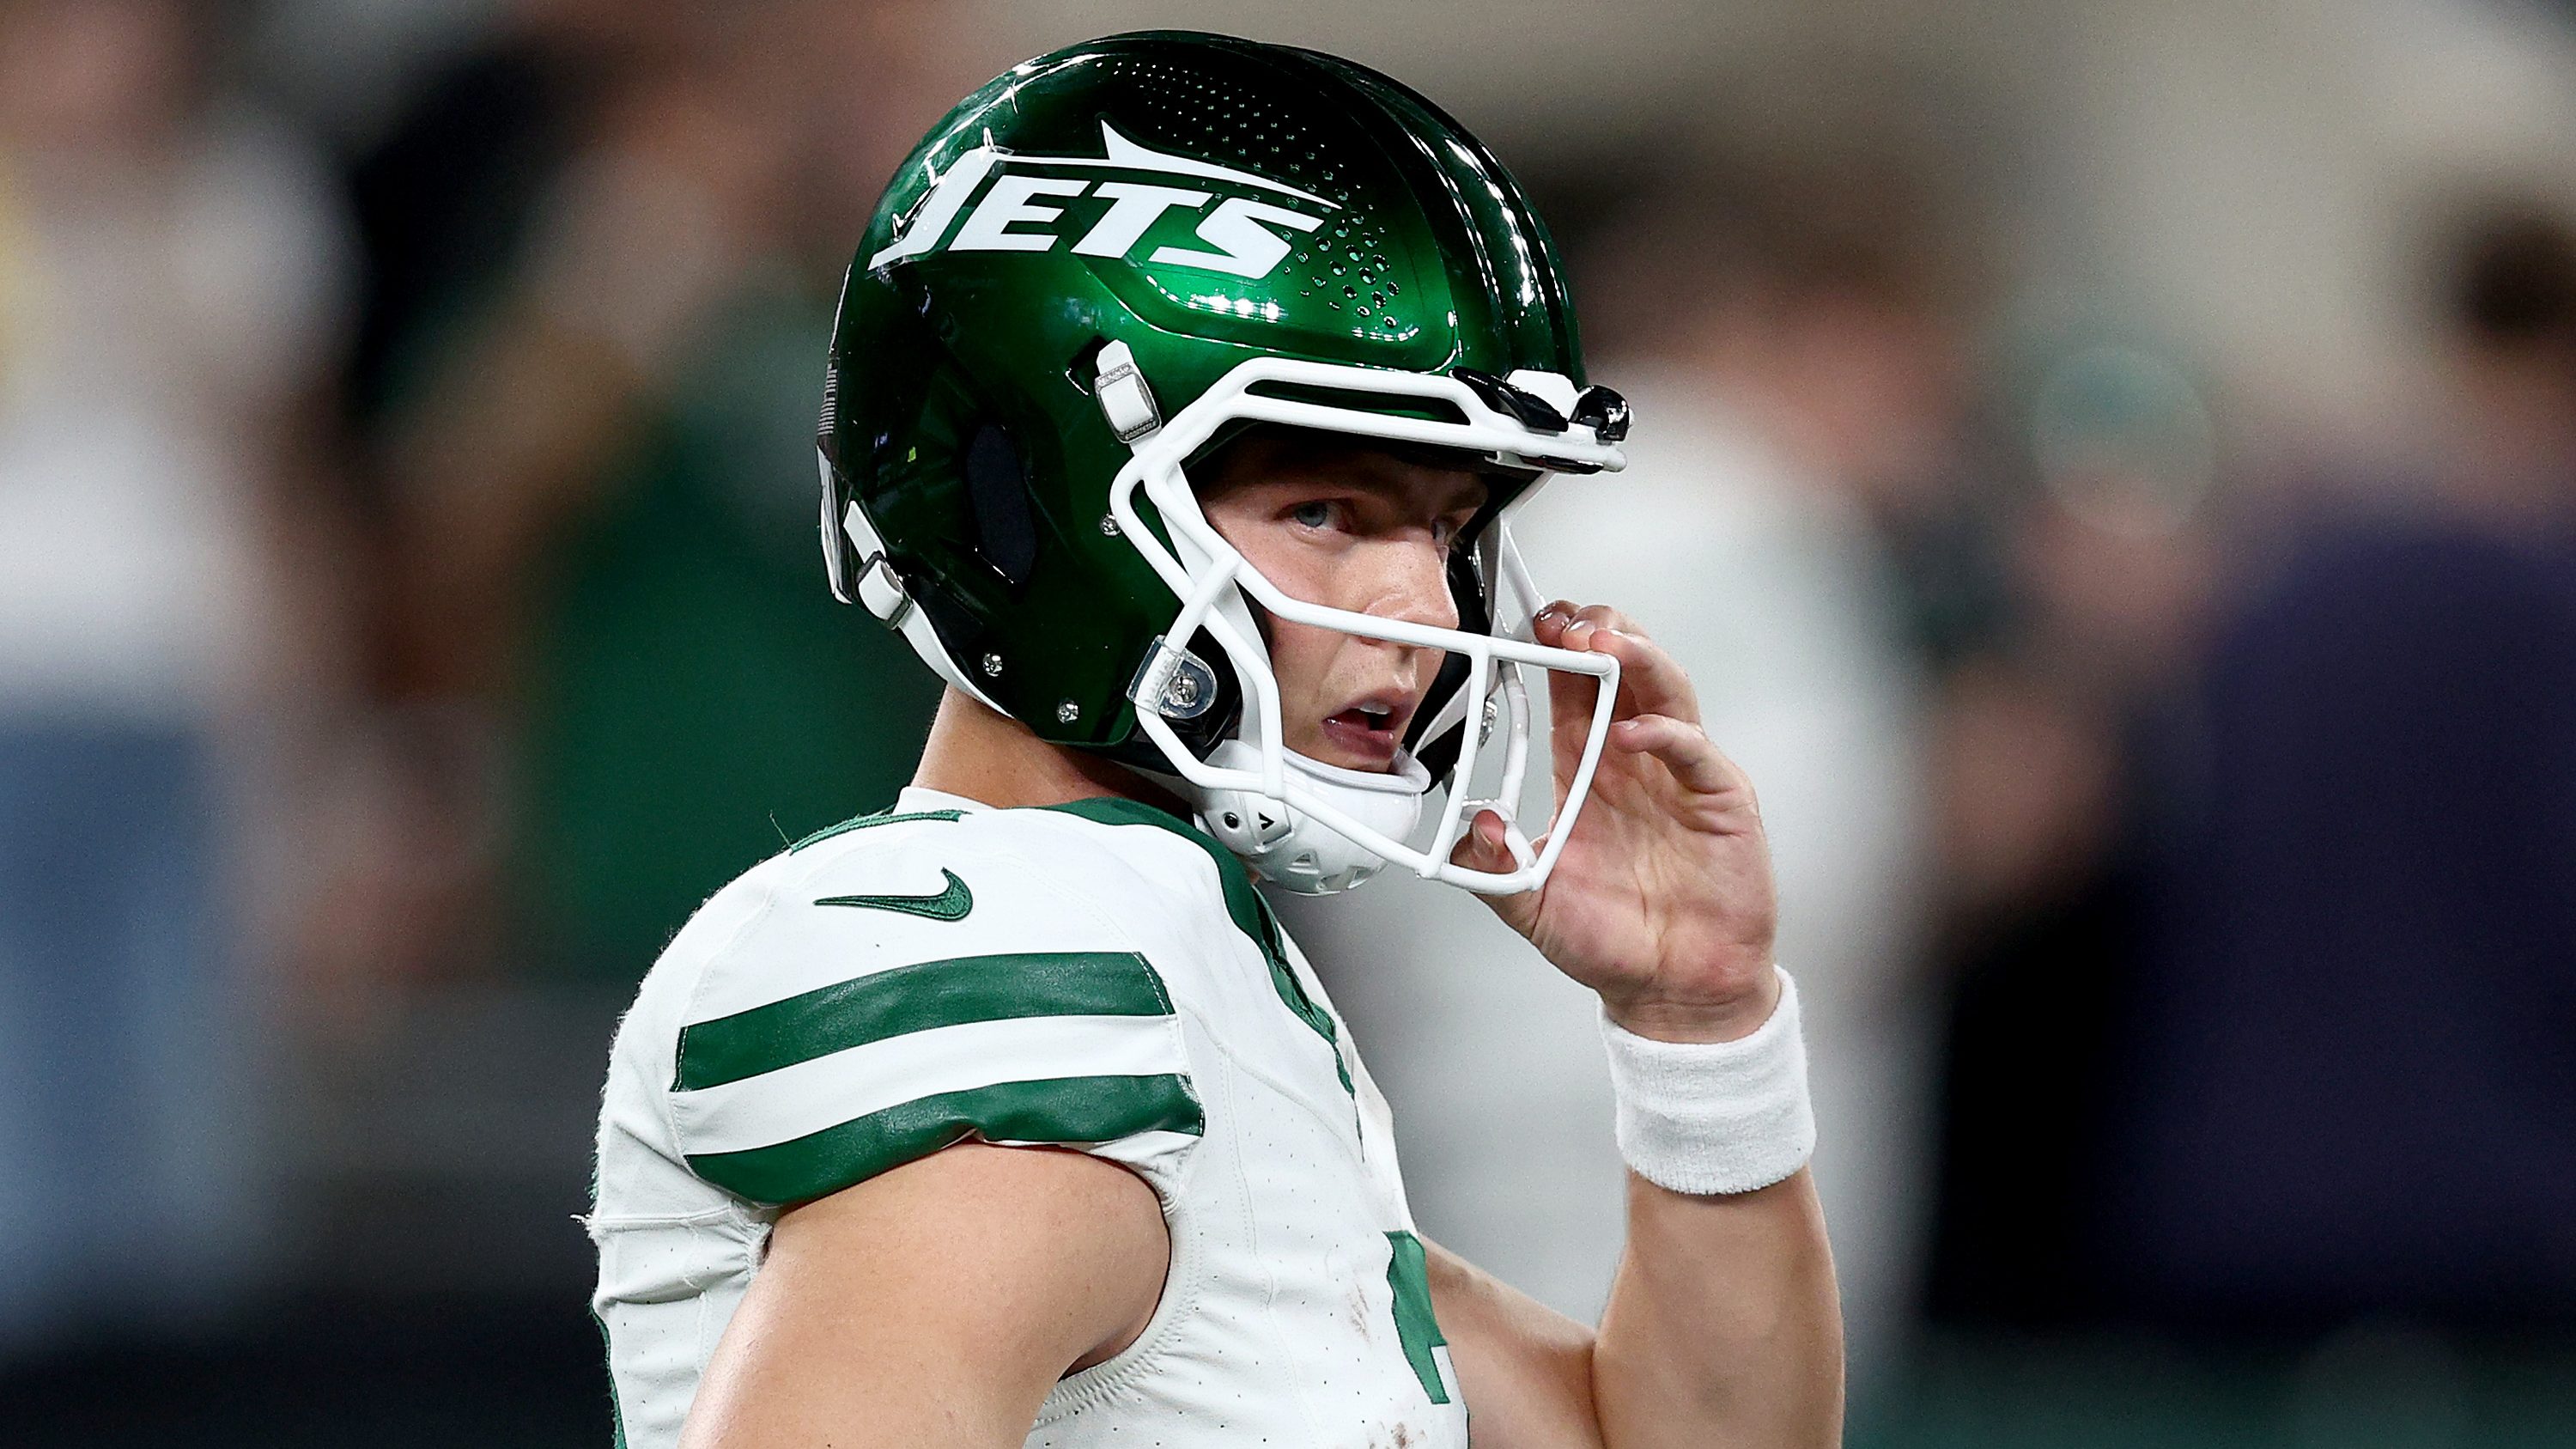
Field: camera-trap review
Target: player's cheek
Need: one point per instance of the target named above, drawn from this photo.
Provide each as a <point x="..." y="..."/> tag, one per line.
<point x="1301" y="658"/>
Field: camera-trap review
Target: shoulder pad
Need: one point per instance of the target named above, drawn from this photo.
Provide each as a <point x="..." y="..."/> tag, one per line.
<point x="895" y="1001"/>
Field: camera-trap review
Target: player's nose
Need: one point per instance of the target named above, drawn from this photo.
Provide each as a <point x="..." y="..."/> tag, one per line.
<point x="1411" y="583"/>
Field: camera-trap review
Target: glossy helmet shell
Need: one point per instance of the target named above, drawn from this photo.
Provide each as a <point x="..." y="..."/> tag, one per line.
<point x="1308" y="207"/>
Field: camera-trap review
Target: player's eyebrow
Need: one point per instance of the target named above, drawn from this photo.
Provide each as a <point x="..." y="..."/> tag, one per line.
<point x="1470" y="493"/>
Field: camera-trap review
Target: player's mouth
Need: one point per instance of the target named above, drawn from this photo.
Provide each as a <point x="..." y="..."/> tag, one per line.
<point x="1370" y="730"/>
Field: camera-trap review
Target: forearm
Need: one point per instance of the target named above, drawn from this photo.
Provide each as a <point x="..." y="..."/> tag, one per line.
<point x="1723" y="1327"/>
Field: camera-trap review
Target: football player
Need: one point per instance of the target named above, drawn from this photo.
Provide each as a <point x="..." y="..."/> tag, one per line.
<point x="1181" y="396"/>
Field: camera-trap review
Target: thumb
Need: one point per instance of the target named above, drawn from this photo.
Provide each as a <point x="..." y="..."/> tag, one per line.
<point x="1483" y="846"/>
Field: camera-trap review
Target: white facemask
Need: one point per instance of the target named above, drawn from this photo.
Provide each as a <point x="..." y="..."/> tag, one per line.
<point x="1313" y="827"/>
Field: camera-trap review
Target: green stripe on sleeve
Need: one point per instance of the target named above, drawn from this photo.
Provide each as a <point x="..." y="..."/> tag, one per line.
<point x="616" y="1411"/>
<point x="1408" y="1277"/>
<point x="950" y="992"/>
<point x="1064" y="1109"/>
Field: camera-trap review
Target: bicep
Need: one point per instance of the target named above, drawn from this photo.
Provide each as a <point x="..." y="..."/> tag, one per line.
<point x="1525" y="1368"/>
<point x="934" y="1304"/>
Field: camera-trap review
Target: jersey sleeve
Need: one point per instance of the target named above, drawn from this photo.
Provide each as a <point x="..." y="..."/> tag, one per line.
<point x="852" y="1031"/>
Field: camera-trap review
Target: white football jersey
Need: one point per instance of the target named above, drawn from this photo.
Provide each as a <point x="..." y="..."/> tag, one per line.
<point x="1099" y="976"/>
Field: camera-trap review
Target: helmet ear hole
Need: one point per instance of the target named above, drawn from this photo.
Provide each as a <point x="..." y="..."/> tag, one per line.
<point x="997" y="487"/>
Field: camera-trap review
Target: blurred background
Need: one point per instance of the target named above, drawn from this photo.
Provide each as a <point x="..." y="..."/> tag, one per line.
<point x="2111" y="468"/>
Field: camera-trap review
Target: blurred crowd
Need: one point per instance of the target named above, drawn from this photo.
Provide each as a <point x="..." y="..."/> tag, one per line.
<point x="409" y="611"/>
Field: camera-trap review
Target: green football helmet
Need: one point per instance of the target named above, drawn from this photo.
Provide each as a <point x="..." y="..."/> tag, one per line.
<point x="1098" y="269"/>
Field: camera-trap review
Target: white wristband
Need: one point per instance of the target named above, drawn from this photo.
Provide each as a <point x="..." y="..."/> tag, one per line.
<point x="1715" y="1117"/>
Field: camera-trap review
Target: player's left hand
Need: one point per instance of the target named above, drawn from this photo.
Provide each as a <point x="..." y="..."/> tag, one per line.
<point x="1662" y="900"/>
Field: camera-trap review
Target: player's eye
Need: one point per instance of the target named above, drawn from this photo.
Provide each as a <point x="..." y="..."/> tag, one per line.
<point x="1314" y="514"/>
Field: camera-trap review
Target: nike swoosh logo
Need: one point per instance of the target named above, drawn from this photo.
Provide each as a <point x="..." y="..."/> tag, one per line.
<point x="950" y="904"/>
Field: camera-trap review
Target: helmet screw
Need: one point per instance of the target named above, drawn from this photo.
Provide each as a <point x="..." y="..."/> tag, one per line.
<point x="1485" y="727"/>
<point x="1067" y="711"/>
<point x="1189" y="690"/>
<point x="1109" y="525"/>
<point x="992" y="666"/>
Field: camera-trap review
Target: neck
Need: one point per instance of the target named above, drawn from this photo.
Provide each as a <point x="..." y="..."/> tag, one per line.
<point x="993" y="758"/>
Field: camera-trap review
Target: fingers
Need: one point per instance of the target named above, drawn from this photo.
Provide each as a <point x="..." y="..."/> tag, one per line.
<point x="1552" y="622"/>
<point x="1570" y="698"/>
<point x="1685" y="749"/>
<point x="1651" y="681"/>
<point x="1569" y="626"/>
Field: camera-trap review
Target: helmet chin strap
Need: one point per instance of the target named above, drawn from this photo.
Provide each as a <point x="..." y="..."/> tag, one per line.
<point x="1293" y="848"/>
